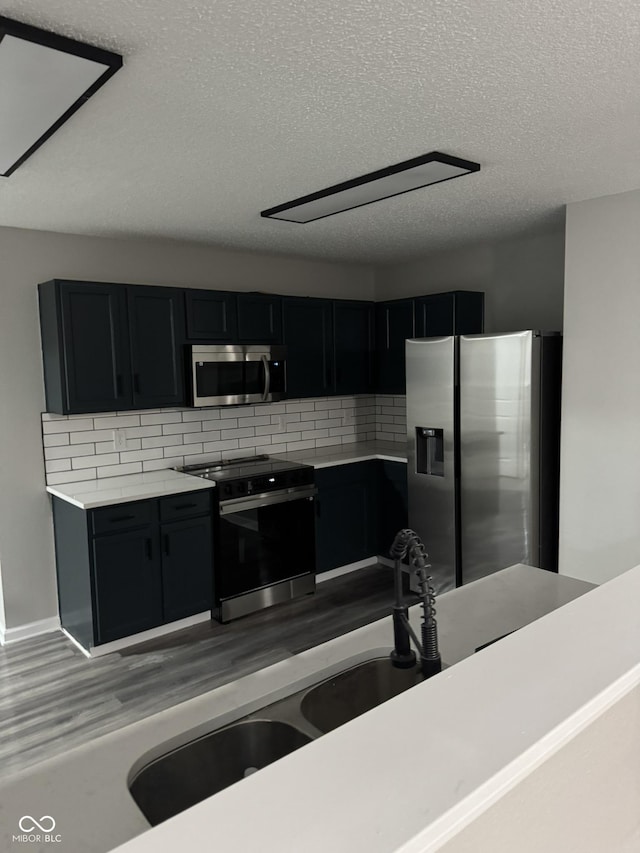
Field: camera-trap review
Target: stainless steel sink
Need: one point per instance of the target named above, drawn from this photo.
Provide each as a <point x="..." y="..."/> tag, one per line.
<point x="203" y="767"/>
<point x="353" y="692"/>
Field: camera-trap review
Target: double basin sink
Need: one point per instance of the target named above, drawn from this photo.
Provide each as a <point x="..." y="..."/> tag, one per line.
<point x="203" y="767"/>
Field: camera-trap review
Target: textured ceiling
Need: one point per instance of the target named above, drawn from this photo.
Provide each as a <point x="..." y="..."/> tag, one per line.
<point x="224" y="108"/>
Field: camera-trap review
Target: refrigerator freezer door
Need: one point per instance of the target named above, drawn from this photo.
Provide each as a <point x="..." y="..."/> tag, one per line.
<point x="499" y="394"/>
<point x="431" y="453"/>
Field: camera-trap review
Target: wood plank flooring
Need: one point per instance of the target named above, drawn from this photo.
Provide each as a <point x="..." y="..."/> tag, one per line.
<point x="52" y="698"/>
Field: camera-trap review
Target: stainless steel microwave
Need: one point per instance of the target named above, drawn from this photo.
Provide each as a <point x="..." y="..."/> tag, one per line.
<point x="235" y="374"/>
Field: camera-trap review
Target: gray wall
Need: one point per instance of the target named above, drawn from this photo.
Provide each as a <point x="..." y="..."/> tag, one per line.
<point x="600" y="473"/>
<point x="28" y="257"/>
<point x="522" y="279"/>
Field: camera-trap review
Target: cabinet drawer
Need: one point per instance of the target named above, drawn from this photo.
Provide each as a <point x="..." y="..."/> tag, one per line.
<point x="184" y="505"/>
<point x="109" y="519"/>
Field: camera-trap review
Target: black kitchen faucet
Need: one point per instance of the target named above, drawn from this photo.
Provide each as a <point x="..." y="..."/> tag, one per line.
<point x="407" y="544"/>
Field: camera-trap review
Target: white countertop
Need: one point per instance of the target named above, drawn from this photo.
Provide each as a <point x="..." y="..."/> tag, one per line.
<point x="90" y="494"/>
<point x="395" y="778"/>
<point x="345" y="454"/>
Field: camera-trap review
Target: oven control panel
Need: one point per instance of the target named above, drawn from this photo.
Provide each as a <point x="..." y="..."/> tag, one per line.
<point x="262" y="483"/>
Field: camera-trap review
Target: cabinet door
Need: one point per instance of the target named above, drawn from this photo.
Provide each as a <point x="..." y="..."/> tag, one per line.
<point x="212" y="315"/>
<point x="394" y="324"/>
<point x="259" y="318"/>
<point x="127" y="584"/>
<point x="345" y="515"/>
<point x="434" y="315"/>
<point x="392" y="503"/>
<point x="95" y="347"/>
<point x="459" y="312"/>
<point x="156" y="327"/>
<point x="353" y="346"/>
<point x="187" y="567"/>
<point x="308" y="336"/>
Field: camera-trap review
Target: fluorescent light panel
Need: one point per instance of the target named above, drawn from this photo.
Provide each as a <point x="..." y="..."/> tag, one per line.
<point x="44" y="79"/>
<point x="384" y="183"/>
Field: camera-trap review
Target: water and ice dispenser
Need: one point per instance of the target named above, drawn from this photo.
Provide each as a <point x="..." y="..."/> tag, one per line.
<point x="430" y="451"/>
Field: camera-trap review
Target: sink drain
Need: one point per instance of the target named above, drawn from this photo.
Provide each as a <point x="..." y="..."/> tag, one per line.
<point x="249" y="771"/>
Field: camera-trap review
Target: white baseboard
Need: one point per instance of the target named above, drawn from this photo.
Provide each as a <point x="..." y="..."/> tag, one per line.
<point x="142" y="637"/>
<point x="31" y="629"/>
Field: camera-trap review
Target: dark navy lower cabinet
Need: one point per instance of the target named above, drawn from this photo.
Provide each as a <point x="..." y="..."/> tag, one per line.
<point x="187" y="561"/>
<point x="393" y="512"/>
<point x="122" y="570"/>
<point x="359" y="509"/>
<point x="345" y="514"/>
<point x="127" y="583"/>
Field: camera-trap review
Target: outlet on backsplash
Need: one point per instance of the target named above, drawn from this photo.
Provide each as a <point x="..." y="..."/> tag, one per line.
<point x="120" y="439"/>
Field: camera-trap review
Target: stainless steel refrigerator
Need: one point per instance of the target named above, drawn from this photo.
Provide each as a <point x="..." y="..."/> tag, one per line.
<point x="483" y="425"/>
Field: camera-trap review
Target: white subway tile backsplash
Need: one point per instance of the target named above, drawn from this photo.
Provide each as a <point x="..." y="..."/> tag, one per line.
<point x="168" y="438"/>
<point x="94" y="461"/>
<point x="116" y="422"/>
<point x="140" y="455"/>
<point x="71" y="476"/>
<point x="66" y="425"/>
<point x="222" y="446"/>
<point x="254" y="421"/>
<point x="160" y="418"/>
<point x="55" y="440"/>
<point x="161" y="464"/>
<point x="56" y="465"/>
<point x="119" y="470"/>
<point x="69" y="451"/>
<point x="188" y="449"/>
<point x="180" y="428"/>
<point x="245" y="432"/>
<point x="192" y="437"/>
<point x="86" y="436"/>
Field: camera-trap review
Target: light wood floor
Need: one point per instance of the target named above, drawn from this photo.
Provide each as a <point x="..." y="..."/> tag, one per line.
<point x="53" y="698"/>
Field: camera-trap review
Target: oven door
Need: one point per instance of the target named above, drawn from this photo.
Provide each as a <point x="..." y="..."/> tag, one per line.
<point x="234" y="375"/>
<point x="265" y="539"/>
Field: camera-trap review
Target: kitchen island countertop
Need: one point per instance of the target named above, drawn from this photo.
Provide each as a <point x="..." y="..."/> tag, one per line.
<point x="468" y="724"/>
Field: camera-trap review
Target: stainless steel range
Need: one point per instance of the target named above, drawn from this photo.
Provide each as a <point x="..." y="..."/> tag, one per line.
<point x="265" y="543"/>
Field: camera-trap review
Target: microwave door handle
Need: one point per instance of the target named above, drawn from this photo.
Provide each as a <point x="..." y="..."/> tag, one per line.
<point x="267" y="377"/>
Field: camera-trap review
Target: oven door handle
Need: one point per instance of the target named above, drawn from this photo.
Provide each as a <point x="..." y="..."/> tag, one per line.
<point x="267" y="499"/>
<point x="267" y="377"/>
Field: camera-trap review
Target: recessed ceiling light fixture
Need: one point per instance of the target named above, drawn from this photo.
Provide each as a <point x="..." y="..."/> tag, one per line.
<point x="44" y="79"/>
<point x="374" y="186"/>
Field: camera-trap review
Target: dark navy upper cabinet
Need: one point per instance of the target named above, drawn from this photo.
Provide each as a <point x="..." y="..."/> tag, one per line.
<point x="156" y="334"/>
<point x="353" y="347"/>
<point x="307" y="333"/>
<point x="459" y="312"/>
<point x="259" y="318"/>
<point x="212" y="315"/>
<point x="85" y="348"/>
<point x="394" y="324"/>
